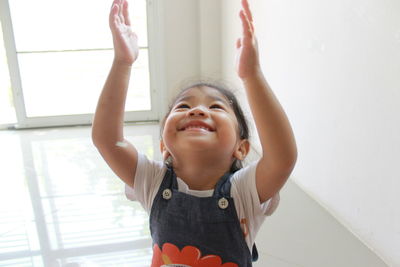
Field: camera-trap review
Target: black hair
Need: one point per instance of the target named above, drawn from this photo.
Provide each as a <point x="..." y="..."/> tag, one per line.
<point x="223" y="89"/>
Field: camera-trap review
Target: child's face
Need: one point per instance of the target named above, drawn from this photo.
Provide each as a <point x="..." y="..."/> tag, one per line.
<point x="202" y="119"/>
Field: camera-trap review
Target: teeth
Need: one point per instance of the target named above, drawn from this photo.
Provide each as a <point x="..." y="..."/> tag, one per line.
<point x="197" y="127"/>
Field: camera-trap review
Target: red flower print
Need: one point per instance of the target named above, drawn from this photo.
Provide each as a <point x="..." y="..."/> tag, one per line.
<point x="189" y="256"/>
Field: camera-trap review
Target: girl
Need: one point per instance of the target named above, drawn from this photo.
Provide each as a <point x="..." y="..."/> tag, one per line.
<point x="205" y="210"/>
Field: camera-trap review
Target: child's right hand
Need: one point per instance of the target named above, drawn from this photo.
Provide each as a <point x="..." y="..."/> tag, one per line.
<point x="126" y="49"/>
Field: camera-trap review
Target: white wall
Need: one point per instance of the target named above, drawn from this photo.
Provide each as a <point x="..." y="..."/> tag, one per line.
<point x="334" y="65"/>
<point x="191" y="26"/>
<point x="302" y="233"/>
<point x="181" y="42"/>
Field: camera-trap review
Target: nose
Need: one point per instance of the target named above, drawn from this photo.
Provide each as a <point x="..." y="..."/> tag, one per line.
<point x="198" y="111"/>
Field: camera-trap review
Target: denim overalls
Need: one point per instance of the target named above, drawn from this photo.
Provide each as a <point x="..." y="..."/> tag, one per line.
<point x="208" y="225"/>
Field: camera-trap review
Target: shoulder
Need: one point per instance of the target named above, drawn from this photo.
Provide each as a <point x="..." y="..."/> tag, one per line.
<point x="245" y="177"/>
<point x="149" y="168"/>
<point x="244" y="191"/>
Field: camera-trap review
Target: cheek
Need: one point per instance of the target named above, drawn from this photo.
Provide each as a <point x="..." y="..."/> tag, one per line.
<point x="228" y="121"/>
<point x="166" y="131"/>
<point x="169" y="128"/>
<point x="230" y="129"/>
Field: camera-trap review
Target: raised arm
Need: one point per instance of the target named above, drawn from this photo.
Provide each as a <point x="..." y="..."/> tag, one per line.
<point x="279" y="152"/>
<point x="107" y="128"/>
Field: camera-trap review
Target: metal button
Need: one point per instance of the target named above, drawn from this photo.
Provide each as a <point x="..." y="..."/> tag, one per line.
<point x="223" y="203"/>
<point x="167" y="194"/>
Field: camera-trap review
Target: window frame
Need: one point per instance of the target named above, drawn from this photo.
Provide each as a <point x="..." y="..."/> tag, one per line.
<point x="156" y="74"/>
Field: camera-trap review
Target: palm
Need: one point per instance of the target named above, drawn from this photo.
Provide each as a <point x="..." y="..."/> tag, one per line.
<point x="247" y="57"/>
<point x="125" y="40"/>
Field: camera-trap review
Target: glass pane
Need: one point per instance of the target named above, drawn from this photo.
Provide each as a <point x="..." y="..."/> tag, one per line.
<point x="44" y="25"/>
<point x="7" y="110"/>
<point x="58" y="193"/>
<point x="66" y="83"/>
<point x="35" y="261"/>
<point x="138" y="97"/>
<point x="17" y="221"/>
<point x="84" y="204"/>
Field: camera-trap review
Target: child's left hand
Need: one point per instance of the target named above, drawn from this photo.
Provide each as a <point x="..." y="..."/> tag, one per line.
<point x="247" y="60"/>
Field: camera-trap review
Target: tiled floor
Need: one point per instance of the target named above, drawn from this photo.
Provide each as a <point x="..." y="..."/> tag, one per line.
<point x="61" y="205"/>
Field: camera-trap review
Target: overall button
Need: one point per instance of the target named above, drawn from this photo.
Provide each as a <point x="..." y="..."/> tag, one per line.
<point x="223" y="203"/>
<point x="167" y="194"/>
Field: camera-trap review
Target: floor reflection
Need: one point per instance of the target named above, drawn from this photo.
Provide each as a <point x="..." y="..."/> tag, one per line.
<point x="61" y="205"/>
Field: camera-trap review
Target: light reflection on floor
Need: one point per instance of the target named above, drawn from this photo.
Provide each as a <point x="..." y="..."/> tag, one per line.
<point x="61" y="205"/>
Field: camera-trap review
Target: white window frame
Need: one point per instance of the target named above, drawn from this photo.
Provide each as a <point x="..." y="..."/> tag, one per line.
<point x="156" y="71"/>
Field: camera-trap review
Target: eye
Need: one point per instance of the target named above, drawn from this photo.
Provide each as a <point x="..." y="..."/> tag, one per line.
<point x="217" y="106"/>
<point x="182" y="106"/>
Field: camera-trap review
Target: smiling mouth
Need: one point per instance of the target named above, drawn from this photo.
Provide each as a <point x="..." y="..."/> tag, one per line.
<point x="197" y="127"/>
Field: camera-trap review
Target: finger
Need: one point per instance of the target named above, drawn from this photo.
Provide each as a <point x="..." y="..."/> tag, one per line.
<point x="126" y="13"/>
<point x="113" y="15"/>
<point x="248" y="14"/>
<point x="249" y="23"/>
<point x="114" y="3"/>
<point x="120" y="15"/>
<point x="245" y="24"/>
<point x="246" y="7"/>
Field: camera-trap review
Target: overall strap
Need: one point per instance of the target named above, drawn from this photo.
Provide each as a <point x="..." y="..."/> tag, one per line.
<point x="223" y="187"/>
<point x="169" y="180"/>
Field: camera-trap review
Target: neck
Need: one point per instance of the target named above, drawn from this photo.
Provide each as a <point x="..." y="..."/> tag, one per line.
<point x="200" y="172"/>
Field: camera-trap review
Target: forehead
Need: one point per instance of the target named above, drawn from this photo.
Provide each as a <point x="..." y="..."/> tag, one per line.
<point x="203" y="92"/>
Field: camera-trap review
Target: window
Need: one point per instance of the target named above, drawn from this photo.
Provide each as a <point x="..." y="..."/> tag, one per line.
<point x="61" y="205"/>
<point x="7" y="111"/>
<point x="59" y="54"/>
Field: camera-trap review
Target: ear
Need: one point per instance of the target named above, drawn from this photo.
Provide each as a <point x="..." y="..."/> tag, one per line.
<point x="164" y="150"/>
<point x="242" y="149"/>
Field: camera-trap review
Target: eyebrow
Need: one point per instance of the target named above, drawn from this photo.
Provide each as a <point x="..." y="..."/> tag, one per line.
<point x="214" y="98"/>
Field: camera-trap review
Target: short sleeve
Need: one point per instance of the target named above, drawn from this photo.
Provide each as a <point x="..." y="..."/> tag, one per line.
<point x="148" y="178"/>
<point x="251" y="212"/>
<point x="244" y="182"/>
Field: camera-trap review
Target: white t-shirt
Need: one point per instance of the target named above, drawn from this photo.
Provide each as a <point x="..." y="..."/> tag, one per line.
<point x="251" y="214"/>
